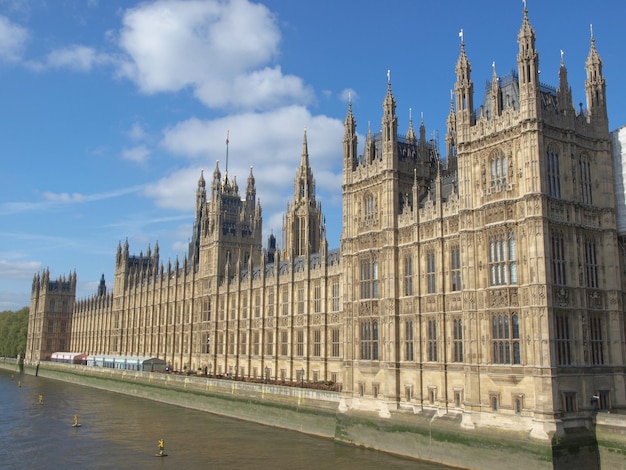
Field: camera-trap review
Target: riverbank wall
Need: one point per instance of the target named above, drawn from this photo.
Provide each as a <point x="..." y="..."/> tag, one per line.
<point x="422" y="435"/>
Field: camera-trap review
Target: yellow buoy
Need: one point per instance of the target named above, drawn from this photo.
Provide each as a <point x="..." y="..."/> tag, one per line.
<point x="76" y="423"/>
<point x="40" y="399"/>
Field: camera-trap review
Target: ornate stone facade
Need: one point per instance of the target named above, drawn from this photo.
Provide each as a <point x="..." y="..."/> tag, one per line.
<point x="489" y="286"/>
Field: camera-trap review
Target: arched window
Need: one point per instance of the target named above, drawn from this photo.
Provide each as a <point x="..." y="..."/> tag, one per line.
<point x="498" y="168"/>
<point x="503" y="259"/>
<point x="584" y="167"/>
<point x="553" y="171"/>
<point x="505" y="337"/>
<point x="369" y="204"/>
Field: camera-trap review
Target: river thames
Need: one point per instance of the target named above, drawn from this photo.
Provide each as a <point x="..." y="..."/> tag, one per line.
<point x="119" y="431"/>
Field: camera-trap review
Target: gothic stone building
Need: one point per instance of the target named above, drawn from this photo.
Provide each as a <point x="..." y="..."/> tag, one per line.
<point x="490" y="286"/>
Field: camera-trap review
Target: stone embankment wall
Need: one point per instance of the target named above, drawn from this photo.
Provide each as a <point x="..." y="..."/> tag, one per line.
<point x="423" y="435"/>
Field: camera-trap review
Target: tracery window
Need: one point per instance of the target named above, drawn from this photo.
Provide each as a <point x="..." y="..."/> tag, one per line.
<point x="408" y="341"/>
<point x="505" y="336"/>
<point x="455" y="269"/>
<point x="408" y="275"/>
<point x="369" y="206"/>
<point x="563" y="340"/>
<point x="498" y="168"/>
<point x="432" y="340"/>
<point x="369" y="279"/>
<point x="457" y="340"/>
<point x="558" y="260"/>
<point x="431" y="276"/>
<point x="334" y="342"/>
<point x="591" y="264"/>
<point x="552" y="167"/>
<point x="369" y="340"/>
<point x="596" y="340"/>
<point x="584" y="167"/>
<point x="503" y="259"/>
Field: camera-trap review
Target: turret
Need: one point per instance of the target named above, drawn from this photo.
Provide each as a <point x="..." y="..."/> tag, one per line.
<point x="389" y="124"/>
<point x="349" y="140"/>
<point x="595" y="87"/>
<point x="464" y="88"/>
<point x="528" y="69"/>
<point x="564" y="92"/>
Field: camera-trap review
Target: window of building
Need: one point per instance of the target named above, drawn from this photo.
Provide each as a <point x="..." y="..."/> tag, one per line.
<point x="558" y="260"/>
<point x="231" y="344"/>
<point x="494" y="403"/>
<point x="270" y="303"/>
<point x="457" y="340"/>
<point x="244" y="343"/>
<point x="50" y="326"/>
<point x="505" y="339"/>
<point x="591" y="264"/>
<point x="300" y="343"/>
<point x="455" y="269"/>
<point x="52" y="305"/>
<point x="233" y="308"/>
<point x="369" y="203"/>
<point x="63" y="326"/>
<point x="498" y="168"/>
<point x="457" y="398"/>
<point x="503" y="259"/>
<point x="220" y="343"/>
<point x="257" y="305"/>
<point x="596" y="340"/>
<point x="222" y="307"/>
<point x="552" y="167"/>
<point x="300" y="300"/>
<point x="408" y="275"/>
<point x="369" y="340"/>
<point x="257" y="344"/>
<point x="207" y="344"/>
<point x="432" y="340"/>
<point x="317" y="343"/>
<point x="604" y="400"/>
<point x="569" y="402"/>
<point x="270" y="344"/>
<point x="244" y="303"/>
<point x="369" y="279"/>
<point x="285" y="304"/>
<point x="517" y="405"/>
<point x="206" y="309"/>
<point x="407" y="392"/>
<point x="431" y="277"/>
<point x="375" y="390"/>
<point x="432" y="395"/>
<point x="584" y="167"/>
<point x="335" y="297"/>
<point x="563" y="340"/>
<point x="334" y="342"/>
<point x="408" y="341"/>
<point x="284" y="343"/>
<point x="317" y="298"/>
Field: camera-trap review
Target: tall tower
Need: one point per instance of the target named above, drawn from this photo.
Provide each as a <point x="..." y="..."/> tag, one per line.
<point x="50" y="315"/>
<point x="303" y="230"/>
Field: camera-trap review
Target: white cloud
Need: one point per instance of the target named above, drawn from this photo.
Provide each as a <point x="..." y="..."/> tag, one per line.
<point x="21" y="269"/>
<point x="138" y="154"/>
<point x="12" y="40"/>
<point x="223" y="51"/>
<point x="64" y="198"/>
<point x="136" y="132"/>
<point x="76" y="57"/>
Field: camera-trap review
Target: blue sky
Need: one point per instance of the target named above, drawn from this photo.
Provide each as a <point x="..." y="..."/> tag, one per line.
<point x="110" y="109"/>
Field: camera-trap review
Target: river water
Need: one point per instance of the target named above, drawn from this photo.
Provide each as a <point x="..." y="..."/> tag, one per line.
<point x="119" y="431"/>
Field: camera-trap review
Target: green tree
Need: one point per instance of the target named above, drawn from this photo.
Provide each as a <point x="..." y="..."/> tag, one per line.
<point x="13" y="331"/>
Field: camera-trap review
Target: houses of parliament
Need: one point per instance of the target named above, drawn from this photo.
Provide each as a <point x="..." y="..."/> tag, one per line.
<point x="489" y="285"/>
